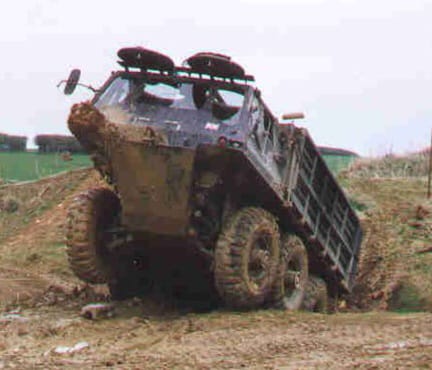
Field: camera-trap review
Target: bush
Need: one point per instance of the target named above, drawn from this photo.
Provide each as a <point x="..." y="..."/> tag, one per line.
<point x="407" y="299"/>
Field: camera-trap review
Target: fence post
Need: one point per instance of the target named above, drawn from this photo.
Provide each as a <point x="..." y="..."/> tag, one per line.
<point x="430" y="169"/>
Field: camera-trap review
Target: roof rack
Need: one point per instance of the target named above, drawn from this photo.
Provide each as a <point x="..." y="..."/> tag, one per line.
<point x="214" y="66"/>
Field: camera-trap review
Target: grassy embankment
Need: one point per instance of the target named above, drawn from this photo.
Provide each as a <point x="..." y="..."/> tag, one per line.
<point x="18" y="166"/>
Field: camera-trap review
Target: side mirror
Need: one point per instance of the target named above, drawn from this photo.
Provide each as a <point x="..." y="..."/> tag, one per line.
<point x="72" y="81"/>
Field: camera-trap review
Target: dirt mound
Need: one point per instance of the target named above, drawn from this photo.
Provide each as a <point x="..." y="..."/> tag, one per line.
<point x="32" y="251"/>
<point x="389" y="194"/>
<point x="395" y="266"/>
<point x="42" y="207"/>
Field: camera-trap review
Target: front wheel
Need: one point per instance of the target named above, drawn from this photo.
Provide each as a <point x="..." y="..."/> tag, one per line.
<point x="89" y="216"/>
<point x="246" y="258"/>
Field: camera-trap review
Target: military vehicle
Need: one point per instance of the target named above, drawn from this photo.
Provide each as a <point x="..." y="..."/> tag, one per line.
<point x="207" y="192"/>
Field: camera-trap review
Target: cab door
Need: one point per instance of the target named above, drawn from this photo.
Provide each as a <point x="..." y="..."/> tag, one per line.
<point x="263" y="139"/>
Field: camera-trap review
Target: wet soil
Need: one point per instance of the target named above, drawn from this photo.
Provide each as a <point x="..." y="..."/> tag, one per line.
<point x="145" y="336"/>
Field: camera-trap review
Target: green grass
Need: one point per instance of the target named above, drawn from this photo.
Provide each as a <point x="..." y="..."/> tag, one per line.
<point x="338" y="163"/>
<point x="407" y="299"/>
<point x="23" y="166"/>
<point x="19" y="166"/>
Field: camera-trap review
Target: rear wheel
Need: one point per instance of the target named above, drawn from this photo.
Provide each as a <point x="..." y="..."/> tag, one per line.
<point x="316" y="295"/>
<point x="89" y="216"/>
<point x="246" y="258"/>
<point x="289" y="289"/>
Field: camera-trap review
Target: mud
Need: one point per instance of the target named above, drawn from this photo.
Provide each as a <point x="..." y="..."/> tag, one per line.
<point x="139" y="337"/>
<point x="95" y="128"/>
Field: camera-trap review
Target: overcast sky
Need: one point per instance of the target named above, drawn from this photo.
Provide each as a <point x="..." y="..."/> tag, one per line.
<point x="361" y="71"/>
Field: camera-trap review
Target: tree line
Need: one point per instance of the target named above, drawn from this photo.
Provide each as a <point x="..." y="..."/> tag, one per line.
<point x="12" y="143"/>
<point x="58" y="143"/>
<point x="68" y="143"/>
<point x="45" y="143"/>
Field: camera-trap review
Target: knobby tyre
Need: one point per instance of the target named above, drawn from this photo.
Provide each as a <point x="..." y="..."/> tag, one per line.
<point x="246" y="258"/>
<point x="88" y="217"/>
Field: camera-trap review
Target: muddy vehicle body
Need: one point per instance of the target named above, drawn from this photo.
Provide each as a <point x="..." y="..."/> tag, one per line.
<point x="209" y="195"/>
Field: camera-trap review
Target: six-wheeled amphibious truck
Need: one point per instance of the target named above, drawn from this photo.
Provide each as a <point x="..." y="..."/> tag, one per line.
<point x="207" y="194"/>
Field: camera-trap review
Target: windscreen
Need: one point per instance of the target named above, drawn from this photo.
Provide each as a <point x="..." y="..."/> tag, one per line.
<point x="126" y="98"/>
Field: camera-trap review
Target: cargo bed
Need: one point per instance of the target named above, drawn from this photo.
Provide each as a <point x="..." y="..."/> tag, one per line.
<point x="319" y="208"/>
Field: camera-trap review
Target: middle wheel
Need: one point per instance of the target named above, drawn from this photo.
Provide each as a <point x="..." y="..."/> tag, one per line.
<point x="246" y="258"/>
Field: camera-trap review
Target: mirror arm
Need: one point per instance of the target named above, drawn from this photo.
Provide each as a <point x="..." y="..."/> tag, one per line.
<point x="61" y="83"/>
<point x="90" y="87"/>
<point x="79" y="84"/>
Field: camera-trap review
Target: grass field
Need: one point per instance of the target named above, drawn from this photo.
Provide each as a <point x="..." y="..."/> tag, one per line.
<point x="23" y="166"/>
<point x="17" y="166"/>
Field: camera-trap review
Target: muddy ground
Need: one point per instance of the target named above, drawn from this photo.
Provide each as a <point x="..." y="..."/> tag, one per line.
<point x="40" y="300"/>
<point x="223" y="340"/>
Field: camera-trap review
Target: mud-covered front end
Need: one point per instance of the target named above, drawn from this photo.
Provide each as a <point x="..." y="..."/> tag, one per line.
<point x="153" y="180"/>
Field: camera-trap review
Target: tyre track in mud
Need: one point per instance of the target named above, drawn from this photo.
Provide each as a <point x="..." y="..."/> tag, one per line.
<point x="222" y="340"/>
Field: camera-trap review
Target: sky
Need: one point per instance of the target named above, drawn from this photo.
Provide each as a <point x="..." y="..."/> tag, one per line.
<point x="360" y="70"/>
